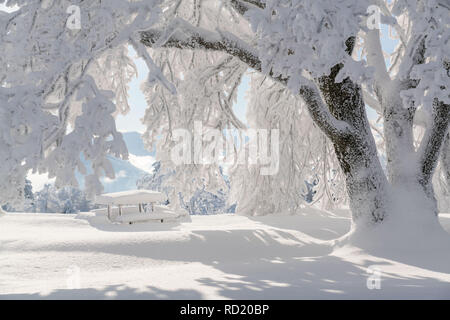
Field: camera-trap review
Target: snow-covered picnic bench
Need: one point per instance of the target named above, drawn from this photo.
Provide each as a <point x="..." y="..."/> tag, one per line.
<point x="134" y="206"/>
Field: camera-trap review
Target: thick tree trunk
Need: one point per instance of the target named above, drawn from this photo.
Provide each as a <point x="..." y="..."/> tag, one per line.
<point x="367" y="186"/>
<point x="366" y="182"/>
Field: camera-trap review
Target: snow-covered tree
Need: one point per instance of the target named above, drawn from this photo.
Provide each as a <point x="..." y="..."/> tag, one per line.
<point x="63" y="200"/>
<point x="61" y="88"/>
<point x="305" y="154"/>
<point x="47" y="200"/>
<point x="27" y="203"/>
<point x="202" y="201"/>
<point x="63" y="75"/>
<point x="157" y="180"/>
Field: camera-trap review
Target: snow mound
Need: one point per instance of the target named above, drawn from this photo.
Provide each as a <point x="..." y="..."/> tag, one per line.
<point x="412" y="228"/>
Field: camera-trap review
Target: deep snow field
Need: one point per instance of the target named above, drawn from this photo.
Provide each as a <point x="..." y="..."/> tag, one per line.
<point x="83" y="256"/>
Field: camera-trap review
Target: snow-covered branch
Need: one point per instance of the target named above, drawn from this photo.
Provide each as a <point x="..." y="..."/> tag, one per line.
<point x="375" y="59"/>
<point x="191" y="37"/>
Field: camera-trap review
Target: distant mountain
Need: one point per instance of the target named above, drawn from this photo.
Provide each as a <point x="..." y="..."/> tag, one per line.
<point x="135" y="144"/>
<point x="127" y="172"/>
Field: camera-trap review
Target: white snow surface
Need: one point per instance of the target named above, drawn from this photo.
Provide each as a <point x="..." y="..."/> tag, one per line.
<point x="53" y="256"/>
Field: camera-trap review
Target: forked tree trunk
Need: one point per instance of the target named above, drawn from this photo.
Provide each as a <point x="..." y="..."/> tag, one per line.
<point x="375" y="197"/>
<point x="407" y="189"/>
<point x="367" y="186"/>
<point x="405" y="192"/>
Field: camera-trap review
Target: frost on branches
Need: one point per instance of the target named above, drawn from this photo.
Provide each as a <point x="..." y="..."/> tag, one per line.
<point x="309" y="60"/>
<point x="61" y="87"/>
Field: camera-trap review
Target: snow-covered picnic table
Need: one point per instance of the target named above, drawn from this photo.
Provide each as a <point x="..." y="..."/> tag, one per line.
<point x="135" y="206"/>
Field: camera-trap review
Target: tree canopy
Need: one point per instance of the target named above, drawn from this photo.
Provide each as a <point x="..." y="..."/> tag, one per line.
<point x="61" y="88"/>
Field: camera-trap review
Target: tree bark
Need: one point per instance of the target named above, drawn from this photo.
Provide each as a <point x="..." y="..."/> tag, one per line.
<point x="366" y="182"/>
<point x="432" y="143"/>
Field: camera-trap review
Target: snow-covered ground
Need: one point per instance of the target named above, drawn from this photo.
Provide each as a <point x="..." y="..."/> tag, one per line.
<point x="221" y="256"/>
